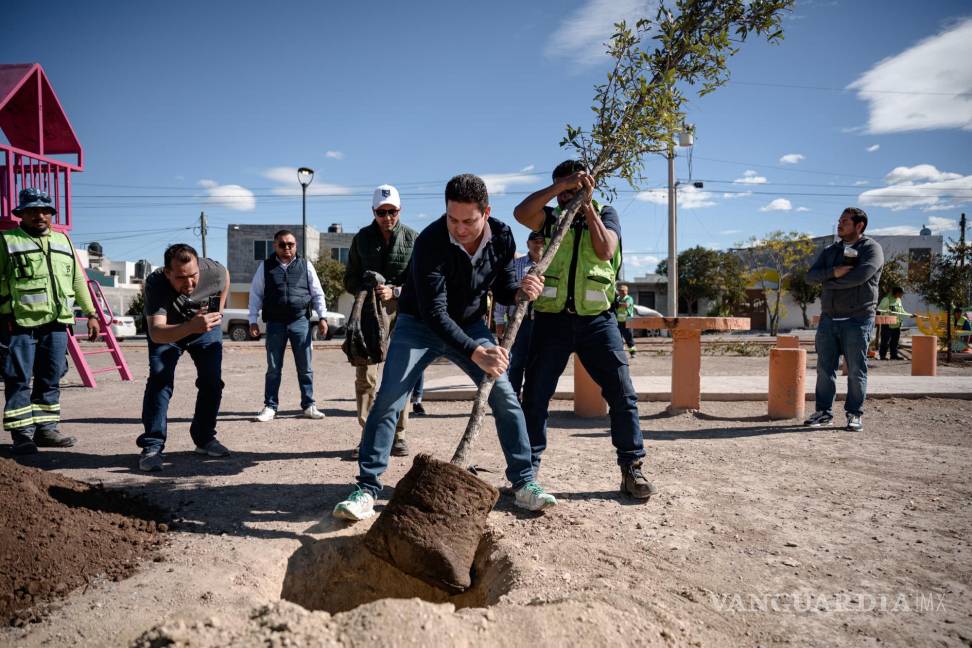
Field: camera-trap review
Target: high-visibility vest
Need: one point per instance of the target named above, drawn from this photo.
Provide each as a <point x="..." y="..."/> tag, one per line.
<point x="37" y="286"/>
<point x="593" y="277"/>
<point x="623" y="309"/>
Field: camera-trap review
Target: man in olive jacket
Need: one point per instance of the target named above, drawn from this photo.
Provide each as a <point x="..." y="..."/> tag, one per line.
<point x="385" y="247"/>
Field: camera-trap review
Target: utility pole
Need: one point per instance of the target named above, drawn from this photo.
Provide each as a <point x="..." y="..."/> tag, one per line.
<point x="962" y="241"/>
<point x="202" y="232"/>
<point x="672" y="304"/>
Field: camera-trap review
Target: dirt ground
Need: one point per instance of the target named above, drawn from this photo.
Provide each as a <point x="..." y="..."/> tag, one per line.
<point x="763" y="533"/>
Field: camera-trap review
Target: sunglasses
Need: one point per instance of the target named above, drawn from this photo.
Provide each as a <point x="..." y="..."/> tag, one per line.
<point x="381" y="213"/>
<point x="286" y="245"/>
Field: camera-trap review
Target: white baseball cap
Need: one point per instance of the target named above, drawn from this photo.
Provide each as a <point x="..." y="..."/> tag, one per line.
<point x="386" y="195"/>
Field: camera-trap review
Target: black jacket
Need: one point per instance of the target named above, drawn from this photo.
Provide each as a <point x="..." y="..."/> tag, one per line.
<point x="447" y="292"/>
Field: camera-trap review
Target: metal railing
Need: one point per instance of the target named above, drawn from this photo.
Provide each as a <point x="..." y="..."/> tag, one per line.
<point x="21" y="169"/>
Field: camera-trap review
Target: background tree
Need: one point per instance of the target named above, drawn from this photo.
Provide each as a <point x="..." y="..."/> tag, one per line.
<point x="802" y="291"/>
<point x="698" y="275"/>
<point x="947" y="286"/>
<point x="894" y="273"/>
<point x="137" y="311"/>
<point x="732" y="281"/>
<point x="771" y="262"/>
<point x="331" y="273"/>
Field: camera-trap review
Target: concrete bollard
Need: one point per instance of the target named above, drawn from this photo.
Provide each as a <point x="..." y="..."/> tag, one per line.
<point x="787" y="382"/>
<point x="588" y="402"/>
<point x="924" y="355"/>
<point x="787" y="342"/>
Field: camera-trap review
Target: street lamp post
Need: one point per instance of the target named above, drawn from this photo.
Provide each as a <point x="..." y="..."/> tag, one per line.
<point x="305" y="176"/>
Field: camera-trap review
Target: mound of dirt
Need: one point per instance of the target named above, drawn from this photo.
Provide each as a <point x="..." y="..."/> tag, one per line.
<point x="57" y="534"/>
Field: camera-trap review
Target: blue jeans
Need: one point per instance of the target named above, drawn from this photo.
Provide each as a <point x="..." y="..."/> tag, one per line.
<point x="412" y="348"/>
<point x="597" y="342"/>
<point x="32" y="352"/>
<point x="848" y="338"/>
<point x="299" y="334"/>
<point x="518" y="354"/>
<point x="206" y="351"/>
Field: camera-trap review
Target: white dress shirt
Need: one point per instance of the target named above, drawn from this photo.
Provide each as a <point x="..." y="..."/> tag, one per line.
<point x="257" y="287"/>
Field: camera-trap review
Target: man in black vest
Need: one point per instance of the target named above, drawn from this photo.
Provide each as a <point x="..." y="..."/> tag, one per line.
<point x="286" y="287"/>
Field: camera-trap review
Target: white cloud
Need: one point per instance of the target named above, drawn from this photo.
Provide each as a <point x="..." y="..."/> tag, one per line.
<point x="777" y="204"/>
<point x="528" y="168"/>
<point x="231" y="196"/>
<point x="750" y="177"/>
<point x="737" y="194"/>
<point x="936" y="224"/>
<point x="582" y="34"/>
<point x="287" y="178"/>
<point x="802" y="209"/>
<point x="688" y="197"/>
<point x="792" y="158"/>
<point x="921" y="186"/>
<point x="498" y="183"/>
<point x="641" y="261"/>
<point x="873" y="147"/>
<point x="730" y="232"/>
<point x="861" y="183"/>
<point x="927" y="86"/>
<point x="334" y="155"/>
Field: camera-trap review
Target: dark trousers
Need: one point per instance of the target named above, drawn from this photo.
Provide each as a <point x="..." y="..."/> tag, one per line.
<point x="889" y="340"/>
<point x="626" y="334"/>
<point x="597" y="342"/>
<point x="37" y="353"/>
<point x="206" y="351"/>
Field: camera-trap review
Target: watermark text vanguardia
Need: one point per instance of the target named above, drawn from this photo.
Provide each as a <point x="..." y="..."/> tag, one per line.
<point x="808" y="602"/>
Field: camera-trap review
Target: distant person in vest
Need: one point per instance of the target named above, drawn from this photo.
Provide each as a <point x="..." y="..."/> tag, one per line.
<point x="573" y="315"/>
<point x="40" y="280"/>
<point x="286" y="287"/>
<point x="504" y="314"/>
<point x="961" y="331"/>
<point x="184" y="301"/>
<point x="623" y="311"/>
<point x="383" y="246"/>
<point x="891" y="333"/>
<point x="850" y="272"/>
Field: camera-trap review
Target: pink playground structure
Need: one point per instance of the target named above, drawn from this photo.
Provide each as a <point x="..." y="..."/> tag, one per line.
<point x="34" y="123"/>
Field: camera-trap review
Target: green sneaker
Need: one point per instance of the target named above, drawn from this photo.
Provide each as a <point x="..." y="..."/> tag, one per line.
<point x="532" y="497"/>
<point x="359" y="505"/>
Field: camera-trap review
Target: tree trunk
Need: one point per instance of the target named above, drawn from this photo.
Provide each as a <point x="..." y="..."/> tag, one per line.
<point x="948" y="332"/>
<point x="806" y="321"/>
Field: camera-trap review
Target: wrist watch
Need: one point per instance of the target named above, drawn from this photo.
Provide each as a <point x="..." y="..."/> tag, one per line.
<point x="396" y="291"/>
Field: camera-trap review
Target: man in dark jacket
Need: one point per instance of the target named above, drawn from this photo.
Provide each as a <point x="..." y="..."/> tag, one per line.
<point x="385" y="247"/>
<point x="456" y="261"/>
<point x="849" y="270"/>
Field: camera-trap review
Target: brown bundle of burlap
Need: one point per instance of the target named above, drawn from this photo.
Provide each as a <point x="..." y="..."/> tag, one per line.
<point x="366" y="339"/>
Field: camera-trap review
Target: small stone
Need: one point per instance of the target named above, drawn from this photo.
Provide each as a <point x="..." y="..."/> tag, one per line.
<point x="790" y="544"/>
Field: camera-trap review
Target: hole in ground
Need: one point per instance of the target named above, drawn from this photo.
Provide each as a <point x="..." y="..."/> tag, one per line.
<point x="339" y="574"/>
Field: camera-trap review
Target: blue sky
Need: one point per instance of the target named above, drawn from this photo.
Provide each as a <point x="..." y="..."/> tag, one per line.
<point x="183" y="107"/>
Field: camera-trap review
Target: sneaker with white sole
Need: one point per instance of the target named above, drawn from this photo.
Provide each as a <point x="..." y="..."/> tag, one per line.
<point x="213" y="449"/>
<point x="265" y="415"/>
<point x="819" y="419"/>
<point x="532" y="497"/>
<point x="150" y="461"/>
<point x="359" y="505"/>
<point x="313" y="413"/>
<point x="854" y="423"/>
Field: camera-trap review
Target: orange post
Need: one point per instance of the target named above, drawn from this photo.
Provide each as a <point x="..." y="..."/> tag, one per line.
<point x="924" y="355"/>
<point x="787" y="342"/>
<point x="787" y="383"/>
<point x="588" y="402"/>
<point x="686" y="370"/>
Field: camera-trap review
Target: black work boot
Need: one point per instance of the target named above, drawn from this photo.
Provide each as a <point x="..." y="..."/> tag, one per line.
<point x="24" y="446"/>
<point x="53" y="439"/>
<point x="634" y="483"/>
<point x="399" y="447"/>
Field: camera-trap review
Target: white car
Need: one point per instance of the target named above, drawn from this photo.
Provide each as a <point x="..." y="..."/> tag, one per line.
<point x="122" y="326"/>
<point x="236" y="324"/>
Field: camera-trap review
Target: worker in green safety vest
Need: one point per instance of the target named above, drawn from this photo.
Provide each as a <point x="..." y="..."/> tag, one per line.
<point x="891" y="333"/>
<point x="623" y="310"/>
<point x="574" y="315"/>
<point x="40" y="281"/>
<point x="961" y="331"/>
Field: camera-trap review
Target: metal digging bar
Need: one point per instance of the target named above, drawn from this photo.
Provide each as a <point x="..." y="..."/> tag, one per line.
<point x="475" y="425"/>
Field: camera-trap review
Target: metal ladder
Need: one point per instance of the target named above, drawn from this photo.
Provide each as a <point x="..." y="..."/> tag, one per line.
<point x="105" y="316"/>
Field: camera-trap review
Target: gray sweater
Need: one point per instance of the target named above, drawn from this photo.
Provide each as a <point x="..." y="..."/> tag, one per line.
<point x="856" y="293"/>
